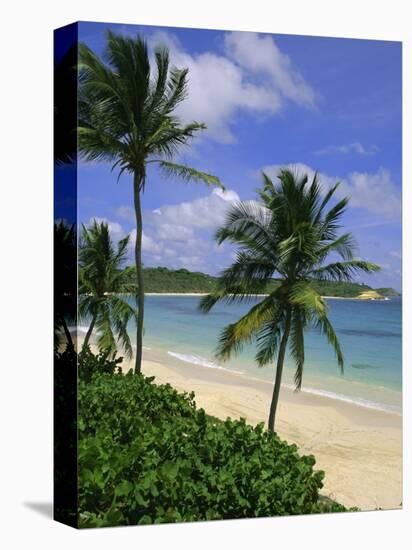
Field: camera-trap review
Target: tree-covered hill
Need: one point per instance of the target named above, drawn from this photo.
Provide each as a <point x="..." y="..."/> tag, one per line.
<point x="162" y="279"/>
<point x="389" y="292"/>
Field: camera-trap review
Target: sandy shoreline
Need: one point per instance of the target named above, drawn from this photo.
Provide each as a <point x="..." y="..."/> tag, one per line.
<point x="257" y="295"/>
<point x="359" y="449"/>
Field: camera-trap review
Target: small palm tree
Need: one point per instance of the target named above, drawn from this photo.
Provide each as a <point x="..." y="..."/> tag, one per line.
<point x="64" y="281"/>
<point x="288" y="233"/>
<point x="101" y="279"/>
<point x="126" y="118"/>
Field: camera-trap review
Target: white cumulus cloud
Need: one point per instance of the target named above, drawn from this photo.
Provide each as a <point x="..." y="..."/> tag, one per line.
<point x="349" y="148"/>
<point x="260" y="54"/>
<point x="221" y="85"/>
<point x="375" y="192"/>
<point x="115" y="229"/>
<point x="181" y="235"/>
<point x="203" y="213"/>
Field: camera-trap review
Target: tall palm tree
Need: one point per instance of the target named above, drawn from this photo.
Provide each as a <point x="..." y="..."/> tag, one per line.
<point x="290" y="233"/>
<point x="126" y="118"/>
<point x="101" y="279"/>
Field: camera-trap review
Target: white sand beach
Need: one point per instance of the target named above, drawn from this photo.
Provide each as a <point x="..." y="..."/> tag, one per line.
<point x="359" y="449"/>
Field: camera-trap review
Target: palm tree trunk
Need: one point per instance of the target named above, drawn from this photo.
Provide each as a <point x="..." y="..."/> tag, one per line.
<point x="89" y="332"/>
<point x="137" y="182"/>
<point x="67" y="332"/>
<point x="279" y="369"/>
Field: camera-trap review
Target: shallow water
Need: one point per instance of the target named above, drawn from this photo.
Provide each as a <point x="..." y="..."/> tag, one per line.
<point x="370" y="334"/>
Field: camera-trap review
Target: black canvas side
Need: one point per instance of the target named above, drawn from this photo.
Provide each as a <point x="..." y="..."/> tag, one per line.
<point x="65" y="275"/>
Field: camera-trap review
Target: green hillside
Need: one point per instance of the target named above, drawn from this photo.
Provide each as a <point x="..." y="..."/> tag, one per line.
<point x="388" y="292"/>
<point x="162" y="279"/>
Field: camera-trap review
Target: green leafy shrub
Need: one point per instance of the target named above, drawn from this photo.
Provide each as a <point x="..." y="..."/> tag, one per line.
<point x="90" y="364"/>
<point x="65" y="435"/>
<point x="148" y="455"/>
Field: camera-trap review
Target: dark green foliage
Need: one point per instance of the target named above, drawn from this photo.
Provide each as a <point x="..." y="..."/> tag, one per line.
<point x="148" y="455"/>
<point x="103" y="363"/>
<point x="162" y="279"/>
<point x="65" y="436"/>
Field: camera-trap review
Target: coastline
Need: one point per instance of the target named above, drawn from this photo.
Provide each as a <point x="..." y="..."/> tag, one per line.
<point x="257" y="295"/>
<point x="360" y="449"/>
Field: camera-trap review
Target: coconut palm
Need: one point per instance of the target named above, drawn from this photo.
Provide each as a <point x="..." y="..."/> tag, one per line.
<point x="127" y="118"/>
<point x="290" y="233"/>
<point x="64" y="281"/>
<point x="101" y="279"/>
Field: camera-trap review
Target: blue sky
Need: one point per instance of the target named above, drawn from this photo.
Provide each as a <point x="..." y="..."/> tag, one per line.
<point x="325" y="104"/>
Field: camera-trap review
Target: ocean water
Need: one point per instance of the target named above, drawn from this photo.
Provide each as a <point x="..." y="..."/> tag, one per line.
<point x="370" y="333"/>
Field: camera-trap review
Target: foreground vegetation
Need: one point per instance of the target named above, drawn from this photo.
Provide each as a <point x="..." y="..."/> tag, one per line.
<point x="147" y="454"/>
<point x="162" y="279"/>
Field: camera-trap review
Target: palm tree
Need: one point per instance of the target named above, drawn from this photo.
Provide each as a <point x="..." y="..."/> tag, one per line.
<point x="126" y="118"/>
<point x="101" y="279"/>
<point x="290" y="233"/>
<point x="64" y="281"/>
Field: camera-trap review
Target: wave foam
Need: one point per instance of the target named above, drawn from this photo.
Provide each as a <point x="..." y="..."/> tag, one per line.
<point x="352" y="400"/>
<point x="200" y="361"/>
<point x="78" y="328"/>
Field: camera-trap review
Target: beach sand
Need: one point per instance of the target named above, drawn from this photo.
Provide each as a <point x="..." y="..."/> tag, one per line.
<point x="359" y="449"/>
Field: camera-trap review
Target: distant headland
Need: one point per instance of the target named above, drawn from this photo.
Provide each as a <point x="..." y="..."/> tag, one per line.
<point x="161" y="280"/>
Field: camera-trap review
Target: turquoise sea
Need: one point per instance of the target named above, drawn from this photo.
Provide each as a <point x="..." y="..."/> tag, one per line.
<point x="370" y="334"/>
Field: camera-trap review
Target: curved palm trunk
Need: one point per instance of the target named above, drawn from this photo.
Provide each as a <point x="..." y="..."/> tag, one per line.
<point x="279" y="369"/>
<point x="89" y="332"/>
<point x="139" y="273"/>
<point x="67" y="332"/>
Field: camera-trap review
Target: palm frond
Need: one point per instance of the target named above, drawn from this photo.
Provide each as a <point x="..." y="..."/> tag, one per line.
<point x="303" y="295"/>
<point x="297" y="345"/>
<point x="269" y="336"/>
<point x="177" y="90"/>
<point x="248" y="224"/>
<point x="159" y="87"/>
<point x="330" y="223"/>
<point x="121" y="313"/>
<point x="235" y="335"/>
<point x="325" y="201"/>
<point x="343" y="271"/>
<point x="105" y="337"/>
<point x="248" y="277"/>
<point x="326" y="328"/>
<point x="169" y="137"/>
<point x="188" y="174"/>
<point x="343" y="245"/>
